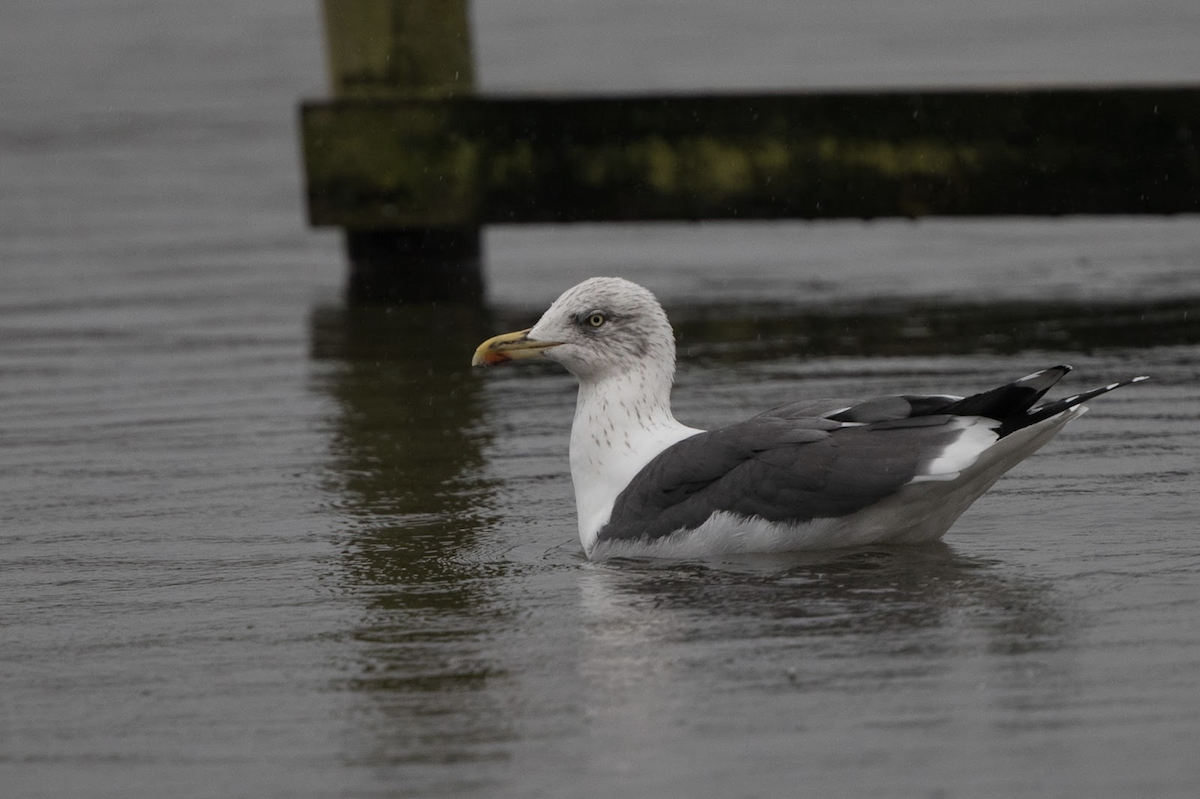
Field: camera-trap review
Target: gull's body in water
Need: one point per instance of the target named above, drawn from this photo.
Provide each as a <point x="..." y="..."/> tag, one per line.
<point x="806" y="475"/>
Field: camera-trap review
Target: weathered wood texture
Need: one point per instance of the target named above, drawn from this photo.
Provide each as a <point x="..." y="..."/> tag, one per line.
<point x="402" y="50"/>
<point x="379" y="48"/>
<point x="375" y="164"/>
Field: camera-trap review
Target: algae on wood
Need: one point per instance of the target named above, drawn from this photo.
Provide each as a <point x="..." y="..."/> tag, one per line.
<point x="415" y="248"/>
<point x="911" y="154"/>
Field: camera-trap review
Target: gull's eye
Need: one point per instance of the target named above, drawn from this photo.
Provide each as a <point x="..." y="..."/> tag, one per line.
<point x="596" y="319"/>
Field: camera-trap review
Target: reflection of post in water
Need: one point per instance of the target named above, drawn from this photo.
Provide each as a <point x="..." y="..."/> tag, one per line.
<point x="407" y="454"/>
<point x="408" y="440"/>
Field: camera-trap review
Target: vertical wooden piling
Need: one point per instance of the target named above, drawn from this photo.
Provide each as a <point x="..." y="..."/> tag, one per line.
<point x="411" y="163"/>
<point x="405" y="49"/>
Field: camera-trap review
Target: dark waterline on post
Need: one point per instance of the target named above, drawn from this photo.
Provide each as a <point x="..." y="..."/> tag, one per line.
<point x="418" y="265"/>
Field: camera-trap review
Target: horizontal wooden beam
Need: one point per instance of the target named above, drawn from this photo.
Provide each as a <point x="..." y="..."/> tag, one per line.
<point x="426" y="163"/>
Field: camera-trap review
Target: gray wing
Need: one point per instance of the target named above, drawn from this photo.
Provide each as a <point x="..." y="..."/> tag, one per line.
<point x="777" y="469"/>
<point x="877" y="409"/>
<point x="820" y="459"/>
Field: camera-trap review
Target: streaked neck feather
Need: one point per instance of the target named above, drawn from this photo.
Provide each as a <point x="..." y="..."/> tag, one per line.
<point x="621" y="423"/>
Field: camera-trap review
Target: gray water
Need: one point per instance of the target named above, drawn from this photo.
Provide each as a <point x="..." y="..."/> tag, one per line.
<point x="255" y="543"/>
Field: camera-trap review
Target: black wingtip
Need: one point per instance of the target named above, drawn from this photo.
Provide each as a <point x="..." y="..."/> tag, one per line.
<point x="1011" y="399"/>
<point x="1046" y="377"/>
<point x="1035" y="415"/>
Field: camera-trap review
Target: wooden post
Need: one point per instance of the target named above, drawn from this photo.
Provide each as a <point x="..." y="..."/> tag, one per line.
<point x="411" y="163"/>
<point x="910" y="153"/>
<point x="389" y="50"/>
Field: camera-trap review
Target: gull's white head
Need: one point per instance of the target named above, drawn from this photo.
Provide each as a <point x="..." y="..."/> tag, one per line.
<point x="614" y="336"/>
<point x="603" y="327"/>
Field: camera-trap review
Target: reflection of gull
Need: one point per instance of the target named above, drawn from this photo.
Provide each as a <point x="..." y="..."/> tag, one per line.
<point x="805" y="475"/>
<point x="859" y="594"/>
<point x="840" y="654"/>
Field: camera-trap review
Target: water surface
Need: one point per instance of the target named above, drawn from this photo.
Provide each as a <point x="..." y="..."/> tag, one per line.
<point x="256" y="543"/>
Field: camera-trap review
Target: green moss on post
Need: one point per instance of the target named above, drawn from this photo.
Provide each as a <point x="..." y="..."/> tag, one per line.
<point x="391" y="50"/>
<point x="411" y="163"/>
<point x="448" y="163"/>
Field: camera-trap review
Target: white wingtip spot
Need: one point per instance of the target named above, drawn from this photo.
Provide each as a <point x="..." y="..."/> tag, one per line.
<point x="930" y="478"/>
<point x="1064" y="368"/>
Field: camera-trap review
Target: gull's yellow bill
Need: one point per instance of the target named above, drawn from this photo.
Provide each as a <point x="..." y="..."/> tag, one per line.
<point x="509" y="347"/>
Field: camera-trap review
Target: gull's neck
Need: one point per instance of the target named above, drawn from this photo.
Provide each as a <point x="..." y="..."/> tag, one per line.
<point x="621" y="423"/>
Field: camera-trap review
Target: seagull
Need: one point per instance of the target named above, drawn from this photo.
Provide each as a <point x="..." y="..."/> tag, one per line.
<point x="810" y="474"/>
